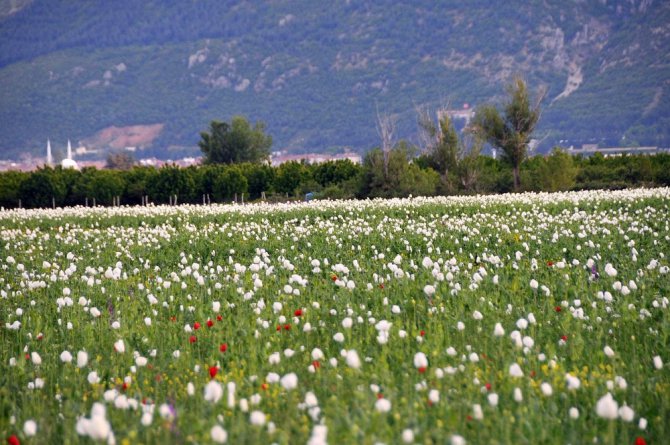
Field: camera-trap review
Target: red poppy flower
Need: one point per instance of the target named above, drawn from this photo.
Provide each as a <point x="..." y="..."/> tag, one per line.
<point x="380" y="395"/>
<point x="173" y="318"/>
<point x="192" y="339"/>
<point x="287" y="327"/>
<point x="13" y="440"/>
<point x="27" y="356"/>
<point x="219" y="318"/>
<point x="558" y="309"/>
<point x="40" y="337"/>
<point x="381" y="285"/>
<point x="488" y="386"/>
<point x="196" y="325"/>
<point x="223" y="347"/>
<point x="278" y="327"/>
<point x="265" y="386"/>
<point x="212" y="371"/>
<point x="210" y="323"/>
<point x="422" y="369"/>
<point x="124" y="387"/>
<point x="422" y="333"/>
<point x="532" y="373"/>
<point x="640" y="441"/>
<point x="564" y="337"/>
<point x="298" y="313"/>
<point x="550" y="263"/>
<point x="316" y="364"/>
<point x="333" y="277"/>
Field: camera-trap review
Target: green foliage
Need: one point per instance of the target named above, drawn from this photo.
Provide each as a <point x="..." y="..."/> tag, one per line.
<point x="235" y="143"/>
<point x="106" y="185"/>
<point x="10" y="185"/>
<point x="230" y="183"/>
<point x="42" y="187"/>
<point x="289" y="177"/>
<point x="511" y="131"/>
<point x="553" y="173"/>
<point x="334" y="172"/>
<point x="137" y="180"/>
<point x="403" y="178"/>
<point x="170" y="181"/>
<point x="260" y="178"/>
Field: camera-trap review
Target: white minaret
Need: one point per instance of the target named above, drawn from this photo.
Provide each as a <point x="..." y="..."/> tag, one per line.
<point x="69" y="162"/>
<point x="50" y="159"/>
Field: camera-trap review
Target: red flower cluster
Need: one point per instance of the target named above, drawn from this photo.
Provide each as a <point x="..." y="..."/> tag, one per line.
<point x="13" y="440"/>
<point x="298" y="313"/>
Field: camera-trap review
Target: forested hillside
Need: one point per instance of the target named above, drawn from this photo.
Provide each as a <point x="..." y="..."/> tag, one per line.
<point x="317" y="73"/>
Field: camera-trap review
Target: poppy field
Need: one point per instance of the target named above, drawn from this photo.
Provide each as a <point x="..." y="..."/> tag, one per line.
<point x="510" y="319"/>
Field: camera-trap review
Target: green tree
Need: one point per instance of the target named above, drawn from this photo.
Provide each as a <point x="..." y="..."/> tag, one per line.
<point x="398" y="177"/>
<point x="229" y="183"/>
<point x="41" y="187"/>
<point x="235" y="142"/>
<point x="290" y="176"/>
<point x="455" y="158"/>
<point x="560" y="172"/>
<point x="259" y="179"/>
<point x="334" y="172"/>
<point x="10" y="184"/>
<point x="105" y="185"/>
<point x="171" y="180"/>
<point x="510" y="131"/>
<point x="137" y="180"/>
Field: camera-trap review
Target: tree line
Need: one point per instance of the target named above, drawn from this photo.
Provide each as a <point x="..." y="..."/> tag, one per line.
<point x="406" y="175"/>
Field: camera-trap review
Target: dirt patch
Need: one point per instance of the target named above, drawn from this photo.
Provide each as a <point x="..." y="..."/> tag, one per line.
<point x="120" y="137"/>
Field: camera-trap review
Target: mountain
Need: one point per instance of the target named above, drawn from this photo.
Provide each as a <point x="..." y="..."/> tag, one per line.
<point x="154" y="73"/>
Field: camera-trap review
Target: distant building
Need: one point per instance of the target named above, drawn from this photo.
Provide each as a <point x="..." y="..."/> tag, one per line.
<point x="279" y="158"/>
<point x="591" y="149"/>
<point x="68" y="162"/>
<point x="465" y="113"/>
